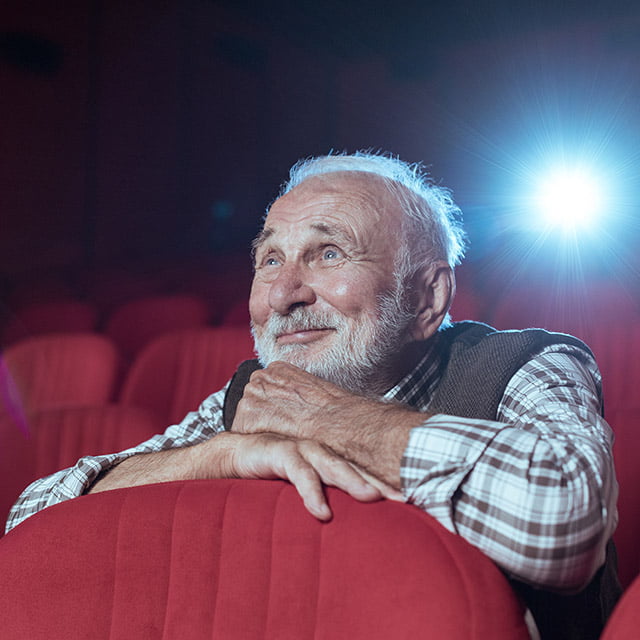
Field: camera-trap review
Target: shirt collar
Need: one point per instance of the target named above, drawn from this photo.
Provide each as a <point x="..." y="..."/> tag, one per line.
<point x="417" y="387"/>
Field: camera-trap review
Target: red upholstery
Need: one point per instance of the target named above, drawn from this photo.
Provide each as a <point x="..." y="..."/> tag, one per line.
<point x="237" y="314"/>
<point x="242" y="559"/>
<point x="624" y="623"/>
<point x="617" y="350"/>
<point x="134" y="324"/>
<point x="58" y="437"/>
<point x="59" y="370"/>
<point x="175" y="373"/>
<point x="111" y="286"/>
<point x="223" y="281"/>
<point x="468" y="303"/>
<point x="466" y="306"/>
<point x="626" y="450"/>
<point x="571" y="309"/>
<point x="67" y="316"/>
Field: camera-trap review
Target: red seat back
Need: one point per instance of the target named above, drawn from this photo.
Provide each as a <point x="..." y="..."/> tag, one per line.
<point x="175" y="373"/>
<point x="111" y="286"/>
<point x="468" y="303"/>
<point x="243" y="559"/>
<point x="60" y="370"/>
<point x="134" y="324"/>
<point x="466" y="306"/>
<point x="237" y="314"/>
<point x="624" y="622"/>
<point x="626" y="451"/>
<point x="580" y="311"/>
<point x="62" y="316"/>
<point x="617" y="350"/>
<point x="56" y="438"/>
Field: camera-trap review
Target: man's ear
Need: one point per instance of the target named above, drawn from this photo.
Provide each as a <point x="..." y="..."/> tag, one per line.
<point x="434" y="286"/>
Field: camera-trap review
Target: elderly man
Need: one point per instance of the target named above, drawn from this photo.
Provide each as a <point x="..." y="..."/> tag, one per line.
<point x="365" y="385"/>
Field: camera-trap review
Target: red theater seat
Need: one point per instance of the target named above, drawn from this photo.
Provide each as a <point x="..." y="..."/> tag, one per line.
<point x="62" y="316"/>
<point x="624" y="623"/>
<point x="56" y="438"/>
<point x="626" y="450"/>
<point x="176" y="372"/>
<point x="243" y="560"/>
<point x="133" y="325"/>
<point x="237" y="314"/>
<point x="581" y="311"/>
<point x="112" y="286"/>
<point x="617" y="350"/>
<point x="60" y="370"/>
<point x="222" y="281"/>
<point x="468" y="302"/>
<point x="466" y="306"/>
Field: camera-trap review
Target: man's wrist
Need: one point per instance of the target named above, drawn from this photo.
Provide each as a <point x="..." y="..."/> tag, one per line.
<point x="375" y="437"/>
<point x="91" y="488"/>
<point x="215" y="457"/>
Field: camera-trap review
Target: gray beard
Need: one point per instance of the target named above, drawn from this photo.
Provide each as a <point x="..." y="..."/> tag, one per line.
<point x="361" y="359"/>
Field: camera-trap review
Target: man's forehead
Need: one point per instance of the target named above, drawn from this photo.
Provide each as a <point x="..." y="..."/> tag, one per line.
<point x="345" y="192"/>
<point x="345" y="205"/>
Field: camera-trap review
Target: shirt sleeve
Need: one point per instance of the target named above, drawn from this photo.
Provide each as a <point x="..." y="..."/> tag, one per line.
<point x="535" y="490"/>
<point x="196" y="427"/>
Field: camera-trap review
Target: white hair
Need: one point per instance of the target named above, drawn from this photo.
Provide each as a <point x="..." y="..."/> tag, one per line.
<point x="432" y="227"/>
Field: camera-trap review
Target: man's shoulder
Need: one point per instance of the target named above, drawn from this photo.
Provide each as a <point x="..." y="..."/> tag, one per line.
<point x="478" y="362"/>
<point x="477" y="335"/>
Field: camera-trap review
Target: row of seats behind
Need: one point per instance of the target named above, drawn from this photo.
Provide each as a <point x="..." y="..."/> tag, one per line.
<point x="131" y="325"/>
<point x="67" y="395"/>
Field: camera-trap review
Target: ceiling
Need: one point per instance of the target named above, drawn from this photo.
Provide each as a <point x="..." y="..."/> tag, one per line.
<point x="356" y="28"/>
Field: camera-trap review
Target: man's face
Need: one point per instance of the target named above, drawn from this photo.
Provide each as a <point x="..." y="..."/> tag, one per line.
<point x="324" y="295"/>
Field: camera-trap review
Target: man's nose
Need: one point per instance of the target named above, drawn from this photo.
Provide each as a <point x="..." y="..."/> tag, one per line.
<point x="290" y="290"/>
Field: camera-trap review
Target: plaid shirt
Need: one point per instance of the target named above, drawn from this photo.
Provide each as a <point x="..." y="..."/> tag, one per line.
<point x="534" y="490"/>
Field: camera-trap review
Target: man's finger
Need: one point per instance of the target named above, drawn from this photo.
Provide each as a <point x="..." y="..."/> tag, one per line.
<point x="337" y="472"/>
<point x="281" y="457"/>
<point x="308" y="484"/>
<point x="389" y="492"/>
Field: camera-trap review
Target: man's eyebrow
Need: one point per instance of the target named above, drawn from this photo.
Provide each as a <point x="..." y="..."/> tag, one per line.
<point x="261" y="238"/>
<point x="329" y="230"/>
<point x="332" y="231"/>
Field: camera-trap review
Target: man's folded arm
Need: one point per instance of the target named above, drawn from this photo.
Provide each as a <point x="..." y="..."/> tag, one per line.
<point x="190" y="451"/>
<point x="536" y="491"/>
<point x="79" y="479"/>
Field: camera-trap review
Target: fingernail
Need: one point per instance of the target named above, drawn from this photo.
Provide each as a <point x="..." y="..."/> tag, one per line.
<point x="322" y="512"/>
<point x="370" y="493"/>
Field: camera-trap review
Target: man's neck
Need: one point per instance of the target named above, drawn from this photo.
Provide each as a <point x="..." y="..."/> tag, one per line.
<point x="407" y="359"/>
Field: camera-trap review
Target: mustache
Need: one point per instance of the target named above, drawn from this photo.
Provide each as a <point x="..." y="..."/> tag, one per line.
<point x="302" y="319"/>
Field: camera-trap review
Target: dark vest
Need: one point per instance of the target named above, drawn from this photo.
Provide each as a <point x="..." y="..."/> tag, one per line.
<point x="478" y="363"/>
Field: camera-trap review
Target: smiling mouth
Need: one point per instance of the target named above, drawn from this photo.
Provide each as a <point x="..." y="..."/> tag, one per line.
<point x="303" y="336"/>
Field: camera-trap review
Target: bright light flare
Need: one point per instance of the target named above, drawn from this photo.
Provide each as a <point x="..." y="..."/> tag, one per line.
<point x="569" y="199"/>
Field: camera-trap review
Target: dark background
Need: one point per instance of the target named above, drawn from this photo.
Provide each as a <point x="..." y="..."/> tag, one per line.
<point x="157" y="132"/>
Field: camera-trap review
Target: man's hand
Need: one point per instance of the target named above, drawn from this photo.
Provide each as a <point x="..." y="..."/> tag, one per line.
<point x="295" y="426"/>
<point x="308" y="465"/>
<point x="287" y="400"/>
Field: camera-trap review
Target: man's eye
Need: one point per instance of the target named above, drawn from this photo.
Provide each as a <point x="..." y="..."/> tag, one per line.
<point x="270" y="261"/>
<point x="330" y="254"/>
